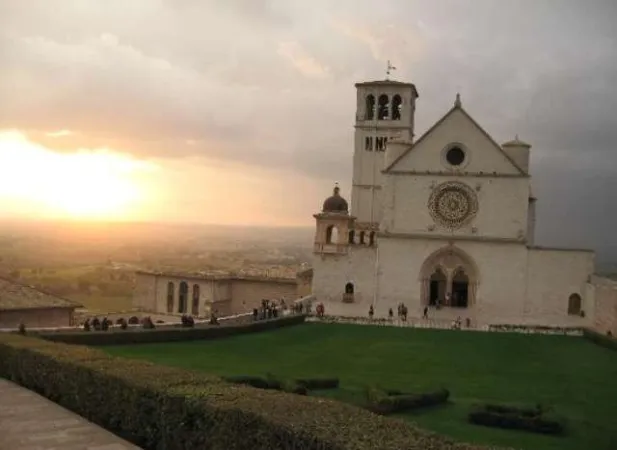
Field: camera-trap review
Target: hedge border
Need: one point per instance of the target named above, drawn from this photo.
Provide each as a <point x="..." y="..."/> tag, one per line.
<point x="533" y="420"/>
<point x="600" y="339"/>
<point x="164" y="407"/>
<point x="147" y="336"/>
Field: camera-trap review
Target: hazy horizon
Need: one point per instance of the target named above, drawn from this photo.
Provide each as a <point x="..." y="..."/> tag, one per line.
<point x="240" y="113"/>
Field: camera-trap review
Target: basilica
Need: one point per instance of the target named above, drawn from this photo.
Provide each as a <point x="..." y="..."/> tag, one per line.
<point x="445" y="220"/>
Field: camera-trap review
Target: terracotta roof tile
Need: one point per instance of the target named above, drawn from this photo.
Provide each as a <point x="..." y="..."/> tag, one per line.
<point x="18" y="296"/>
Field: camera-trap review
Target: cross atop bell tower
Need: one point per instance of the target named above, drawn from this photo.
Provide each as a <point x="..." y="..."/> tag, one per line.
<point x="389" y="70"/>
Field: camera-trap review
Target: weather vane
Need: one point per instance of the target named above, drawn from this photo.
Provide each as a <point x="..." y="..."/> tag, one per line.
<point x="389" y="69"/>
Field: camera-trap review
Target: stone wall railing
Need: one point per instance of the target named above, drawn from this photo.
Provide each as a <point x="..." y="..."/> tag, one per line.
<point x="447" y="324"/>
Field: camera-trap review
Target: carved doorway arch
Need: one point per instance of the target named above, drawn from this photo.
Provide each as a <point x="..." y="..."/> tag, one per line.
<point x="449" y="276"/>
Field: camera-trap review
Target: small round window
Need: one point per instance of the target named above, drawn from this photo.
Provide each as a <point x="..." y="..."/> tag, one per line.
<point x="455" y="156"/>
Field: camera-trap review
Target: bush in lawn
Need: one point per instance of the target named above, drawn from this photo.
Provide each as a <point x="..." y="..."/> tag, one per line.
<point x="528" y="419"/>
<point x="388" y="402"/>
<point x="319" y="383"/>
<point x="164" y="407"/>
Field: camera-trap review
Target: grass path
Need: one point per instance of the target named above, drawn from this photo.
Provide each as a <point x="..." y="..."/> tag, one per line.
<point x="575" y="377"/>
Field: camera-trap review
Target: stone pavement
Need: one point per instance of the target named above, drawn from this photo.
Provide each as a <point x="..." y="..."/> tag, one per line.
<point x="29" y="421"/>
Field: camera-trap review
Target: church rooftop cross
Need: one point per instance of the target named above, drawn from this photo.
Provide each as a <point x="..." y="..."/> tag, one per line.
<point x="389" y="70"/>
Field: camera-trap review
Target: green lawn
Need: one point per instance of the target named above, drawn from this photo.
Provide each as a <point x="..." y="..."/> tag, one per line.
<point x="575" y="377"/>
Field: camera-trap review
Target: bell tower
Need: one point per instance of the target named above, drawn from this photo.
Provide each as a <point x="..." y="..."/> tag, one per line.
<point x="384" y="112"/>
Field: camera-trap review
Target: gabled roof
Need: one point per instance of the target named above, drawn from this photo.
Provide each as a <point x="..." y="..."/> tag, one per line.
<point x="456" y="107"/>
<point x="14" y="296"/>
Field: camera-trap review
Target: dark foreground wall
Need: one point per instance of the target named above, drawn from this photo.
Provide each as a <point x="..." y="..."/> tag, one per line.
<point x="117" y="336"/>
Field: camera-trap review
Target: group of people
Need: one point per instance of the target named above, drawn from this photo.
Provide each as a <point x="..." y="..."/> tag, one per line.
<point x="401" y="312"/>
<point x="271" y="309"/>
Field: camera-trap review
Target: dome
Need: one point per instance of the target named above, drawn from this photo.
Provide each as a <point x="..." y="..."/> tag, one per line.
<point x="516" y="142"/>
<point x="335" y="203"/>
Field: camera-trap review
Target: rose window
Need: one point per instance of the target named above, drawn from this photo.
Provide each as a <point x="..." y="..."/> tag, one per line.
<point x="453" y="204"/>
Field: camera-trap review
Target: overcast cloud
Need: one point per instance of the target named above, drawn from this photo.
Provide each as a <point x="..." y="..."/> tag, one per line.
<point x="270" y="84"/>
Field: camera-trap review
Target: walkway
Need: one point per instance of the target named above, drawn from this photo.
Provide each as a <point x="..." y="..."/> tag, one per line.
<point x="31" y="422"/>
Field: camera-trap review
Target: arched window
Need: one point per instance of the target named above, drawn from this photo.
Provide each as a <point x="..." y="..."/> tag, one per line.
<point x="170" y="297"/>
<point x="362" y="237"/>
<point x="331" y="235"/>
<point x="349" y="288"/>
<point x="382" y="109"/>
<point x="371" y="238"/>
<point x="574" y="305"/>
<point x="183" y="297"/>
<point x="397" y="105"/>
<point x="195" y="306"/>
<point x="351" y="236"/>
<point x="370" y="107"/>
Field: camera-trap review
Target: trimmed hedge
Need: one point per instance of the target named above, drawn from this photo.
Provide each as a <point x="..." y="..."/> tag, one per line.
<point x="514" y="418"/>
<point x="146" y="336"/>
<point x="163" y="407"/>
<point x="300" y="386"/>
<point x="389" y="402"/>
<point x="600" y="339"/>
<point x="269" y="382"/>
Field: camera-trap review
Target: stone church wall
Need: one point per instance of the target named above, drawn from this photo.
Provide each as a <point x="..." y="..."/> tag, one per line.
<point x="37" y="318"/>
<point x="226" y="295"/>
<point x="332" y="272"/>
<point x="247" y="295"/>
<point x="501" y="277"/>
<point x="502" y="211"/>
<point x="605" y="305"/>
<point x="554" y="275"/>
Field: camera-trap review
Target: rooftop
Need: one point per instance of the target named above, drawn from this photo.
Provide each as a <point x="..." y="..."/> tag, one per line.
<point x="389" y="83"/>
<point x="229" y="276"/>
<point x="14" y="296"/>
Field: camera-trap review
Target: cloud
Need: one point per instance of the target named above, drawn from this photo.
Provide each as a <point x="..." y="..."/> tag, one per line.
<point x="268" y="84"/>
<point x="59" y="133"/>
<point x="302" y="61"/>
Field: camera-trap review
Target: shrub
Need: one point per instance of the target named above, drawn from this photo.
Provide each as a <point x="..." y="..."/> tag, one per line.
<point x="319" y="383"/>
<point x="515" y="418"/>
<point x="147" y="323"/>
<point x="187" y="321"/>
<point x="270" y="382"/>
<point x="163" y="407"/>
<point x="388" y="402"/>
<point x="143" y="336"/>
<point x="22" y="329"/>
<point x="133" y="320"/>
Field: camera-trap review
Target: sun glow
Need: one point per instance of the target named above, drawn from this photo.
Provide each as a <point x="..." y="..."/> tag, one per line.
<point x="87" y="184"/>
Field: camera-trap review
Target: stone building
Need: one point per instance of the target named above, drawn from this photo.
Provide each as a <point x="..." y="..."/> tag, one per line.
<point x="447" y="219"/>
<point x="200" y="294"/>
<point x="32" y="307"/>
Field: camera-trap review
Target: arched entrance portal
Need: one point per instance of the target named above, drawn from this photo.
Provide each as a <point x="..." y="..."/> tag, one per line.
<point x="449" y="276"/>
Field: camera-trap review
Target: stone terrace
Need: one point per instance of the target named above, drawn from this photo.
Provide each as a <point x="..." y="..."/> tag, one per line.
<point x="31" y="422"/>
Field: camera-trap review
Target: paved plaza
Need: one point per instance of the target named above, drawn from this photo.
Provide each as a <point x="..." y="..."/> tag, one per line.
<point x="29" y="421"/>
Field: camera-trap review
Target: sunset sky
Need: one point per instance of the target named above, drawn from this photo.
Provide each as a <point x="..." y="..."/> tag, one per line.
<point x="241" y="111"/>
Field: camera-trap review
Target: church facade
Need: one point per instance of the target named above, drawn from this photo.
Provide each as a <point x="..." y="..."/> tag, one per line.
<point x="444" y="220"/>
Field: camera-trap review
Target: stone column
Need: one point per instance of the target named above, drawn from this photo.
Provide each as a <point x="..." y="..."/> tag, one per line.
<point x="449" y="277"/>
